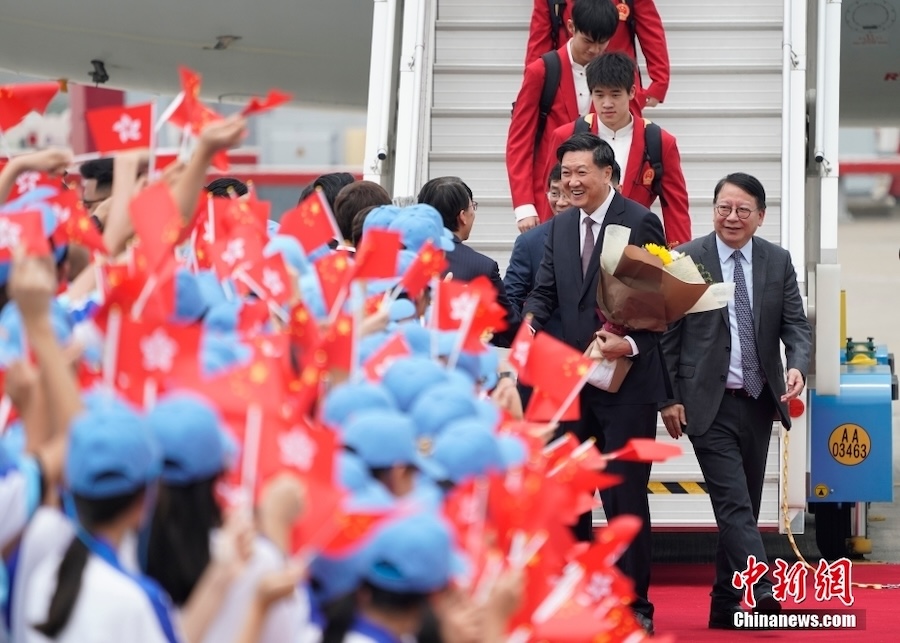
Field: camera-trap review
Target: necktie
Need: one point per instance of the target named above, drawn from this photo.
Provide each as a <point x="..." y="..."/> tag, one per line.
<point x="753" y="381"/>
<point x="588" y="248"/>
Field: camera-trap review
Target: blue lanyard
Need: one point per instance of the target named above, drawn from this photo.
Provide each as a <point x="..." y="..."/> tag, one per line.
<point x="371" y="630"/>
<point x="162" y="604"/>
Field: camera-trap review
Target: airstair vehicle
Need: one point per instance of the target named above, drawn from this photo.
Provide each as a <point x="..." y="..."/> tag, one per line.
<point x="759" y="87"/>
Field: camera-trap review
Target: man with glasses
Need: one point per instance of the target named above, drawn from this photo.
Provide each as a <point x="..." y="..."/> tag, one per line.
<point x="728" y="382"/>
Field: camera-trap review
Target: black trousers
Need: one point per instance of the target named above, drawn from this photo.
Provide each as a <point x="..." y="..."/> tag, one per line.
<point x="732" y="456"/>
<point x="612" y="427"/>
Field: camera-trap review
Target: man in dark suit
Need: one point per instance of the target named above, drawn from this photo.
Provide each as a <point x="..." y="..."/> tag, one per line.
<point x="453" y="200"/>
<point x="567" y="280"/>
<point x="729" y="382"/>
<point x="592" y="24"/>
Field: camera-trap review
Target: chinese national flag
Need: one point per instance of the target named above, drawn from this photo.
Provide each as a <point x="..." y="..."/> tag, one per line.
<point x="74" y="224"/>
<point x="353" y="529"/>
<point x="22" y="229"/>
<point x="17" y="101"/>
<point x="273" y="99"/>
<point x="190" y="111"/>
<point x="555" y="367"/>
<point x="338" y="343"/>
<point x="311" y="222"/>
<point x="376" y="257"/>
<point x="121" y="128"/>
<point x="335" y="272"/>
<point x="156" y="221"/>
<point x="542" y="408"/>
<point x="379" y="361"/>
<point x="489" y="316"/>
<point x="428" y="264"/>
<point x="302" y="327"/>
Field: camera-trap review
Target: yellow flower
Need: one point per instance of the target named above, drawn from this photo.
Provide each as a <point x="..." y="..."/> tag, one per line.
<point x="660" y="251"/>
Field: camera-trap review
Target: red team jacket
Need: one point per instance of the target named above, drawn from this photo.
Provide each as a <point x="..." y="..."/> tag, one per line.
<point x="527" y="179"/>
<point x="639" y="176"/>
<point x="648" y="28"/>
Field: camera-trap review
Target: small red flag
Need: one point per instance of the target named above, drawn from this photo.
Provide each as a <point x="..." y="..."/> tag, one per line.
<point x="31" y="180"/>
<point x="376" y="257"/>
<point x="271" y="281"/>
<point x="302" y="327"/>
<point x="519" y="349"/>
<point x="335" y="271"/>
<point x="379" y="361"/>
<point x="17" y="101"/>
<point x="555" y="367"/>
<point x="543" y="408"/>
<point x="121" y="128"/>
<point x="273" y="99"/>
<point x="22" y="229"/>
<point x="338" y="344"/>
<point x="311" y="222"/>
<point x="428" y="264"/>
<point x="157" y="222"/>
<point x="645" y="450"/>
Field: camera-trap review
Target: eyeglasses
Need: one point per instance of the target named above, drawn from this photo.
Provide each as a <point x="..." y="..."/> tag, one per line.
<point x="743" y="212"/>
<point x="474" y="205"/>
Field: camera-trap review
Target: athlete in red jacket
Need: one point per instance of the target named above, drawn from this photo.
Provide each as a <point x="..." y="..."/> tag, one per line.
<point x="610" y="78"/>
<point x="648" y="29"/>
<point x="592" y="24"/>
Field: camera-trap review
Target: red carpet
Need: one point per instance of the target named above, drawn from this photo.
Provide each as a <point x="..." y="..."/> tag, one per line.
<point x="681" y="596"/>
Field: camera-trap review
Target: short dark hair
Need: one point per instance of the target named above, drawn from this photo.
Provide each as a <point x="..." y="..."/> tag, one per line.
<point x="220" y="186"/>
<point x="597" y="19"/>
<point x="555" y="174"/>
<point x="354" y="197"/>
<point x="616" y="173"/>
<point x="603" y="155"/>
<point x="749" y="184"/>
<point x="330" y="183"/>
<point x="611" y="69"/>
<point x="359" y="220"/>
<point x="447" y="195"/>
<point x="101" y="170"/>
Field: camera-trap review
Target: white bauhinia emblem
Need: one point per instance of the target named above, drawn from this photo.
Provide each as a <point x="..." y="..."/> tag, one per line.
<point x="128" y="128"/>
<point x="10" y="234"/>
<point x="520" y="352"/>
<point x="271" y="281"/>
<point x="158" y="351"/>
<point x="462" y="306"/>
<point x="234" y="251"/>
<point x="598" y="587"/>
<point x="27" y="181"/>
<point x="297" y="449"/>
<point x="62" y="214"/>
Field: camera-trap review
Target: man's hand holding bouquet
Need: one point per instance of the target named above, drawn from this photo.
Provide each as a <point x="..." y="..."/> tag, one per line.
<point x="644" y="288"/>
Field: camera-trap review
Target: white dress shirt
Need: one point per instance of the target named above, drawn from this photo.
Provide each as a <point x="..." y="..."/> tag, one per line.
<point x="597" y="217"/>
<point x="735" y="378"/>
<point x="582" y="93"/>
<point x="620" y="141"/>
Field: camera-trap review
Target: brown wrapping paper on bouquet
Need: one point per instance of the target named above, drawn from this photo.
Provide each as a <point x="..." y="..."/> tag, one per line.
<point x="637" y="291"/>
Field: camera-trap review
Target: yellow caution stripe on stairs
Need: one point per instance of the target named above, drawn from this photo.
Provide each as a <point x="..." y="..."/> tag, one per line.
<point x="677" y="487"/>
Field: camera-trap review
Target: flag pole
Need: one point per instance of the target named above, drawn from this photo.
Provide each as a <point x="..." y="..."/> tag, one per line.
<point x="570" y="398"/>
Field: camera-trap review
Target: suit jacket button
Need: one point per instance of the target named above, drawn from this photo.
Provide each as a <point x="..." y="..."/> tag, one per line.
<point x="728" y="349"/>
<point x="722" y="378"/>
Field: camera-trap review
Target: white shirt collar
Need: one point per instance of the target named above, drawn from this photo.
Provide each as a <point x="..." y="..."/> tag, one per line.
<point x="600" y="213"/>
<point x="606" y="133"/>
<point x="575" y="65"/>
<point x="725" y="251"/>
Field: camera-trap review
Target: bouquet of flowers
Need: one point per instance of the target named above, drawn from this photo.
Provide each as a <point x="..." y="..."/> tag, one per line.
<point x="646" y="288"/>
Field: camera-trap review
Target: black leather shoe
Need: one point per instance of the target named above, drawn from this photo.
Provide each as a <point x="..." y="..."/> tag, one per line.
<point x="723" y="618"/>
<point x="645" y="622"/>
<point x="766" y="603"/>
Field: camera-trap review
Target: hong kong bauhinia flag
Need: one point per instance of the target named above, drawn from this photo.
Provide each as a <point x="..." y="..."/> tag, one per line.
<point x="121" y="128"/>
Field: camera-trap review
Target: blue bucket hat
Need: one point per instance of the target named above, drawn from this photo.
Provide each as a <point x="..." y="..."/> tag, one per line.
<point x="347" y="399"/>
<point x="352" y="473"/>
<point x="112" y="452"/>
<point x="221" y="352"/>
<point x="380" y="218"/>
<point x="416" y="230"/>
<point x="440" y="405"/>
<point x="410" y="555"/>
<point x="311" y="294"/>
<point x="223" y="317"/>
<point x="190" y="304"/>
<point x="194" y="445"/>
<point x="409" y="376"/>
<point x="468" y="448"/>
<point x="384" y="438"/>
<point x="210" y="288"/>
